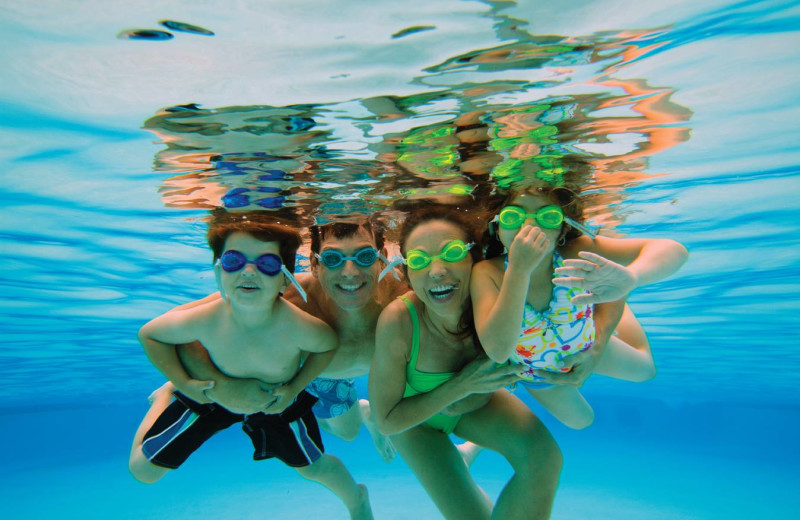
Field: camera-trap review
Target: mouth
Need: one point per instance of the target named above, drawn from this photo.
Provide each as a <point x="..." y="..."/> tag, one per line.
<point x="350" y="287"/>
<point x="248" y="287"/>
<point x="442" y="293"/>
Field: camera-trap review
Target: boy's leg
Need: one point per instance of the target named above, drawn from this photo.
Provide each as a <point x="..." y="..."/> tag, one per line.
<point x="566" y="404"/>
<point x="141" y="468"/>
<point x="627" y="355"/>
<point x="331" y="473"/>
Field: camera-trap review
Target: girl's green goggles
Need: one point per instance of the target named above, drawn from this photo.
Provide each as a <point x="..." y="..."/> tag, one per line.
<point x="549" y="217"/>
<point x="453" y="251"/>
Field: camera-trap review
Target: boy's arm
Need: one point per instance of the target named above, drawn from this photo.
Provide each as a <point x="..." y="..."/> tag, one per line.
<point x="239" y="395"/>
<point x="321" y="344"/>
<point x="158" y="337"/>
<point x="606" y="319"/>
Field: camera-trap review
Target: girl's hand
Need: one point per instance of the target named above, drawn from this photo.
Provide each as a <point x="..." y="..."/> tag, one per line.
<point x="528" y="248"/>
<point x="605" y="281"/>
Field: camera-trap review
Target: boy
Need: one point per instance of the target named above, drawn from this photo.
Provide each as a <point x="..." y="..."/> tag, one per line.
<point x="249" y="333"/>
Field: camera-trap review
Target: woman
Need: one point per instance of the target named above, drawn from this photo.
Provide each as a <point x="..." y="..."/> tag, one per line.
<point x="429" y="378"/>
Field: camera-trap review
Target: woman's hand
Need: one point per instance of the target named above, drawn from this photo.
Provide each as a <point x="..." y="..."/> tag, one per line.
<point x="484" y="376"/>
<point x="605" y="281"/>
<point x="581" y="366"/>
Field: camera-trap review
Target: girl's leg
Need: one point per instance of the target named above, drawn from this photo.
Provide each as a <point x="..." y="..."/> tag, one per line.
<point x="508" y="427"/>
<point x="141" y="468"/>
<point x="440" y="469"/>
<point x="566" y="404"/>
<point x="332" y="473"/>
<point x="627" y="355"/>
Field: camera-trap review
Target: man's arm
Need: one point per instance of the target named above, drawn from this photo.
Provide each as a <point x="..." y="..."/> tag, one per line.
<point x="239" y="395"/>
<point x="321" y="344"/>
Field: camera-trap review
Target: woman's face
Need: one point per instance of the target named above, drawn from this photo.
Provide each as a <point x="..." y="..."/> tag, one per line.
<point x="442" y="286"/>
<point x="530" y="202"/>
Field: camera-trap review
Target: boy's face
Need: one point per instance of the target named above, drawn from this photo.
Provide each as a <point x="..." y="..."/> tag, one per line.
<point x="349" y="285"/>
<point x="249" y="286"/>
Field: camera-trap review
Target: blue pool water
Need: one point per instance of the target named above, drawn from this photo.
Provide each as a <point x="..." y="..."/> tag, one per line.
<point x="114" y="149"/>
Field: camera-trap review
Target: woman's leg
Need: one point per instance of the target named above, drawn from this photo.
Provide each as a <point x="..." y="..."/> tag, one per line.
<point x="440" y="469"/>
<point x="508" y="427"/>
<point x="627" y="355"/>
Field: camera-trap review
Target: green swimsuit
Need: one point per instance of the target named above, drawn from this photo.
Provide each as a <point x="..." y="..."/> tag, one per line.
<point x="418" y="382"/>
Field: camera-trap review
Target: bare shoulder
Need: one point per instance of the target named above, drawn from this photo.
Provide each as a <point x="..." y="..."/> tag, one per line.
<point x="491" y="269"/>
<point x="307" y="329"/>
<point x="394" y="328"/>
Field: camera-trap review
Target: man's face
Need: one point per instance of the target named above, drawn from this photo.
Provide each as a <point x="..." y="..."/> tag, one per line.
<point x="350" y="285"/>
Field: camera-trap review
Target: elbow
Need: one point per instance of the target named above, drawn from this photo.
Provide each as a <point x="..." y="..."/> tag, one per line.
<point x="385" y="427"/>
<point x="495" y="354"/>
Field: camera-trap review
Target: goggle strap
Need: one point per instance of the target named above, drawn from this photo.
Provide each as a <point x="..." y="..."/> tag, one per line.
<point x="294" y="281"/>
<point x="582" y="228"/>
<point x="390" y="265"/>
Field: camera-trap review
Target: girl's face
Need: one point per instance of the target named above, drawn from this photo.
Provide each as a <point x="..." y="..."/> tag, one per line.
<point x="443" y="286"/>
<point x="530" y="204"/>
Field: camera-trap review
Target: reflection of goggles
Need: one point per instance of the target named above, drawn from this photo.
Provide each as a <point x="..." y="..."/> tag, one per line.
<point x="270" y="264"/>
<point x="512" y="217"/>
<point x="331" y="258"/>
<point x="453" y="251"/>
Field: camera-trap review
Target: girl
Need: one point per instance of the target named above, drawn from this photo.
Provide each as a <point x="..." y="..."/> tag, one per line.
<point x="520" y="316"/>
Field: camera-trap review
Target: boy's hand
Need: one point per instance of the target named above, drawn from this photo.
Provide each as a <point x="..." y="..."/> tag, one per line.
<point x="284" y="396"/>
<point x="605" y="280"/>
<point x="528" y="248"/>
<point x="195" y="389"/>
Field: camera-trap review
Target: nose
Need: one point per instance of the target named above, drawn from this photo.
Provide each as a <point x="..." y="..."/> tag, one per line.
<point x="249" y="269"/>
<point x="438" y="268"/>
<point x="350" y="269"/>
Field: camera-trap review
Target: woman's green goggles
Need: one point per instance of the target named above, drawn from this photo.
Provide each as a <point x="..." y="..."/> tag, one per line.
<point x="549" y="217"/>
<point x="453" y="251"/>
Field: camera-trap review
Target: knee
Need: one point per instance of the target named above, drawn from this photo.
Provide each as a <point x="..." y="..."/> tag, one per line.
<point x="145" y="471"/>
<point x="582" y="421"/>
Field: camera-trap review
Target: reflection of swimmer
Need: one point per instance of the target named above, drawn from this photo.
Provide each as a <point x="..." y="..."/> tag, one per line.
<point x="428" y="380"/>
<point x="253" y="261"/>
<point x="567" y="328"/>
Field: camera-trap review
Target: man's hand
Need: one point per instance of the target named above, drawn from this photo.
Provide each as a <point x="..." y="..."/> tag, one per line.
<point x="245" y="396"/>
<point x="195" y="389"/>
<point x="605" y="280"/>
<point x="284" y="397"/>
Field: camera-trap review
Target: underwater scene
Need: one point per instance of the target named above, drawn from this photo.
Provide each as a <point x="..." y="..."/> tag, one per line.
<point x="129" y="128"/>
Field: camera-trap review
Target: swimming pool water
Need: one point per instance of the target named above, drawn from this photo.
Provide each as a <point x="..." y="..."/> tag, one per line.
<point x="114" y="150"/>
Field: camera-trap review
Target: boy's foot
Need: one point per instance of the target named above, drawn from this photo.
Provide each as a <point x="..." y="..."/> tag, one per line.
<point x="162" y="393"/>
<point x="362" y="511"/>
<point x="469" y="452"/>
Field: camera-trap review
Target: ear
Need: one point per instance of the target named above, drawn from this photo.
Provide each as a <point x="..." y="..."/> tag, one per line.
<point x="313" y="264"/>
<point x="218" y="278"/>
